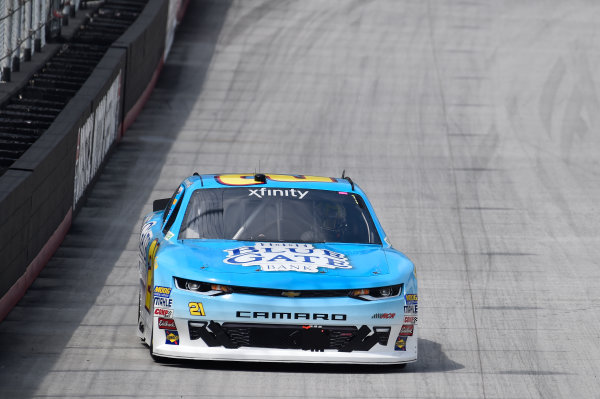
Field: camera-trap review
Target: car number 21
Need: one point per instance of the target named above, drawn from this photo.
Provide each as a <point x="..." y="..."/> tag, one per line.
<point x="196" y="309"/>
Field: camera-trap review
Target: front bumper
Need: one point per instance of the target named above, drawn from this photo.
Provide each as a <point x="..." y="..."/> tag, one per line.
<point x="368" y="350"/>
<point x="314" y="330"/>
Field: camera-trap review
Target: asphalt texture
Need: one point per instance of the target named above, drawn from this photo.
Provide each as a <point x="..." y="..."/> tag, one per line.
<point x="472" y="126"/>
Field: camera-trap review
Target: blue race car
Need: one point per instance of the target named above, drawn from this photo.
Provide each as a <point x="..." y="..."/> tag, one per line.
<point x="282" y="268"/>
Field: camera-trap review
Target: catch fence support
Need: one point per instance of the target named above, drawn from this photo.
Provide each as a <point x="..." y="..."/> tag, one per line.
<point x="23" y="31"/>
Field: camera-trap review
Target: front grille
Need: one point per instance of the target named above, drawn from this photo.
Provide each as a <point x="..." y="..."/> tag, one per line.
<point x="290" y="293"/>
<point x="278" y="292"/>
<point x="284" y="336"/>
<point x="289" y="336"/>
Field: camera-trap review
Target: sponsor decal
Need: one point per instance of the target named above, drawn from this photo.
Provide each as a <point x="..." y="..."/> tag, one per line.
<point x="407" y="330"/>
<point x="168" y="313"/>
<point x="286" y="257"/>
<point x="277" y="192"/>
<point x="164" y="324"/>
<point x="169" y="235"/>
<point x="177" y="197"/>
<point x="145" y="237"/>
<point x="400" y="344"/>
<point x="411" y="309"/>
<point x="196" y="309"/>
<point x="248" y="179"/>
<point x="151" y="265"/>
<point x="383" y="316"/>
<point x="410" y="319"/>
<point x="172" y="337"/>
<point x="411" y="299"/>
<point x="290" y="316"/>
<point x="162" y="292"/>
<point x="95" y="137"/>
<point x="163" y="302"/>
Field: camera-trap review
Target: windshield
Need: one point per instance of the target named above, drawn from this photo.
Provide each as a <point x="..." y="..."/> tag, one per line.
<point x="278" y="215"/>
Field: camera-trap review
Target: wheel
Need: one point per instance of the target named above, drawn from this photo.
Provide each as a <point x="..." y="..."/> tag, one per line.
<point x="156" y="358"/>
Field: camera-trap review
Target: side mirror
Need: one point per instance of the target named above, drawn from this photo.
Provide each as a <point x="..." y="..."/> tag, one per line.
<point x="160" y="204"/>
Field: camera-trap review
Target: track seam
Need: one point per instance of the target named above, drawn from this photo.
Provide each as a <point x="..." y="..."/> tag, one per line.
<point x="454" y="182"/>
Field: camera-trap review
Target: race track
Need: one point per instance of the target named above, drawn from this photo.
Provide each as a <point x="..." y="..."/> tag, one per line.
<point x="473" y="126"/>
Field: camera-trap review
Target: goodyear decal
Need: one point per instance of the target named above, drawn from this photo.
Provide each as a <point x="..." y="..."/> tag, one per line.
<point x="248" y="179"/>
<point x="281" y="257"/>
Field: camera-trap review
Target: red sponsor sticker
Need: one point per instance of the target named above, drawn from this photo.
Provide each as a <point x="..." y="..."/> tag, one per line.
<point x="410" y="319"/>
<point x="166" y="324"/>
<point x="168" y="313"/>
<point x="407" y="330"/>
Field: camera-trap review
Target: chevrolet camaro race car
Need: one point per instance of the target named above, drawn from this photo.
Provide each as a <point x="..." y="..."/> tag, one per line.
<point x="283" y="268"/>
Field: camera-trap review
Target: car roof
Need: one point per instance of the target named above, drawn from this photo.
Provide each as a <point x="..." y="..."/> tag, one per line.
<point x="270" y="180"/>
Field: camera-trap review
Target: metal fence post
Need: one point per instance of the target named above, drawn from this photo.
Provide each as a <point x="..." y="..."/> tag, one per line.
<point x="23" y="30"/>
<point x="28" y="30"/>
<point x="16" y="60"/>
<point x="37" y="23"/>
<point x="7" y="42"/>
<point x="2" y="29"/>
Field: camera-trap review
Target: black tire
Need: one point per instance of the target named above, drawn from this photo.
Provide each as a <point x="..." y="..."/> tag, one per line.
<point x="156" y="358"/>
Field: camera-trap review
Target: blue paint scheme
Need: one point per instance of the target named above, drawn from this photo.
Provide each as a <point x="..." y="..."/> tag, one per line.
<point x="202" y="260"/>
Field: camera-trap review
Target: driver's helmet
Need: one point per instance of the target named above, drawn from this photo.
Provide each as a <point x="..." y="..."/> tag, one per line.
<point x="331" y="216"/>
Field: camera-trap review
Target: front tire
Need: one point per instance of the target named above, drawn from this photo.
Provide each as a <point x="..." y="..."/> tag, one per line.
<point x="156" y="358"/>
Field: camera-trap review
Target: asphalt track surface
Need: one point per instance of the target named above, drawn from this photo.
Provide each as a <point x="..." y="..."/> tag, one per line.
<point x="473" y="126"/>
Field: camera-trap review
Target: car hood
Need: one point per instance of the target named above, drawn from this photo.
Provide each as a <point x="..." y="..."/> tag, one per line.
<point x="274" y="265"/>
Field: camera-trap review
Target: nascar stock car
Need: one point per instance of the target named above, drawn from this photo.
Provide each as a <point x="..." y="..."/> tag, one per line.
<point x="283" y="268"/>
